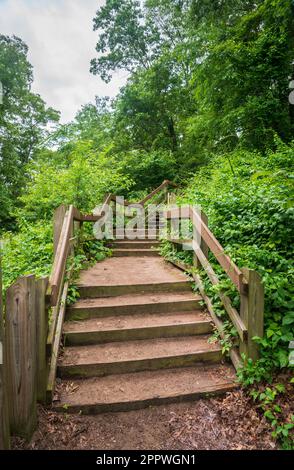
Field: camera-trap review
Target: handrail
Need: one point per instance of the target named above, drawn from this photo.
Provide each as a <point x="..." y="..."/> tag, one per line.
<point x="234" y="273"/>
<point x="249" y="322"/>
<point x="213" y="244"/>
<point x="71" y="215"/>
<point x="60" y="258"/>
<point x="232" y="312"/>
<point x="163" y="185"/>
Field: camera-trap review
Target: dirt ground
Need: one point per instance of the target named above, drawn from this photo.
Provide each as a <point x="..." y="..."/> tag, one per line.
<point x="227" y="422"/>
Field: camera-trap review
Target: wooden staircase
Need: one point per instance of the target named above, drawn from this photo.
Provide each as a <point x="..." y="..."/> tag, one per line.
<point x="137" y="337"/>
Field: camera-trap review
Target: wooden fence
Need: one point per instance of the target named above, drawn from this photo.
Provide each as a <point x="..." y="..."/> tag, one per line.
<point x="31" y="327"/>
<point x="34" y="311"/>
<point x="249" y="321"/>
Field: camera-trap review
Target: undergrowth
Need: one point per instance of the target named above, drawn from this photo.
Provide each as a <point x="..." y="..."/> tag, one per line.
<point x="87" y="252"/>
<point x="249" y="202"/>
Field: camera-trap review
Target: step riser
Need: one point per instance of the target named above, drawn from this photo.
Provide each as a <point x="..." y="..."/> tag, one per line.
<point x="140" y="404"/>
<point x="167" y="331"/>
<point x="105" y="311"/>
<point x="148" y="234"/>
<point x="119" y="253"/>
<point x="91" y="292"/>
<point x="134" y="244"/>
<point x="124" y="367"/>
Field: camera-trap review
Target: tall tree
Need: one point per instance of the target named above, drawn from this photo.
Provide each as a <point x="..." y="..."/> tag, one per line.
<point x="23" y="121"/>
<point x="242" y="80"/>
<point x="205" y="76"/>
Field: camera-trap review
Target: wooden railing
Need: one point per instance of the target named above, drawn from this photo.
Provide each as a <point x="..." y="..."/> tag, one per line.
<point x="34" y="316"/>
<point x="29" y="343"/>
<point x="249" y="321"/>
<point x="163" y="186"/>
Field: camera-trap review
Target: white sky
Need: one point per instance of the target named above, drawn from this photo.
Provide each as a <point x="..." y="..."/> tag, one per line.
<point x="61" y="41"/>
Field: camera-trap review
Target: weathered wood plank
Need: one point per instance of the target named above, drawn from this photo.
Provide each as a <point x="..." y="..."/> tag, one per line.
<point x="4" y="421"/>
<point x="77" y="215"/>
<point x="163" y="185"/>
<point x="56" y="345"/>
<point x="177" y="212"/>
<point x="171" y="198"/>
<point x="234" y="273"/>
<point x="252" y="312"/>
<point x="234" y="354"/>
<point x="53" y="323"/>
<point x="209" y="241"/>
<point x="89" y="218"/>
<point x="203" y="245"/>
<point x="118" y="200"/>
<point x="41" y="331"/>
<point x="58" y="217"/>
<point x="97" y="216"/>
<point x="59" y="263"/>
<point x="21" y="356"/>
<point x="232" y="312"/>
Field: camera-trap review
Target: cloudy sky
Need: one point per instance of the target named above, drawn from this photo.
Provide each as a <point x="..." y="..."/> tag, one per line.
<point x="61" y="44"/>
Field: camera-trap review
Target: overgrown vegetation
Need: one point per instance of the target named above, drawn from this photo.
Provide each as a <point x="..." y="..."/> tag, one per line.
<point x="206" y="105"/>
<point x="87" y="252"/>
<point x="248" y="198"/>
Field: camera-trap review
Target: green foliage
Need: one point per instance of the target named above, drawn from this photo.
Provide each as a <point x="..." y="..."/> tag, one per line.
<point x="249" y="201"/>
<point x="242" y="84"/>
<point x="147" y="169"/>
<point x="88" y="252"/>
<point x="23" y="121"/>
<point x="206" y="98"/>
<point x="172" y="253"/>
<point x="203" y="78"/>
<point x="27" y="252"/>
<point x="81" y="178"/>
<point x="267" y="400"/>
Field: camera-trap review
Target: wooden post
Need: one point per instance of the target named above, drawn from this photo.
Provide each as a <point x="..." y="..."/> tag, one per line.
<point x="58" y="217"/>
<point x="41" y="338"/>
<point x="252" y="312"/>
<point x="72" y="232"/>
<point x="4" y="422"/>
<point x="21" y="356"/>
<point x="55" y="350"/>
<point x="166" y="195"/>
<point x="203" y="245"/>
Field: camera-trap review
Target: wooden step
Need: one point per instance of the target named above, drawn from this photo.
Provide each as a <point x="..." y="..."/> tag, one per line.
<point x="136" y="327"/>
<point x="134" y="252"/>
<point x="133" y="356"/>
<point x="133" y="391"/>
<point x="134" y="244"/>
<point x="133" y="304"/>
<point x="131" y="271"/>
<point x="151" y="234"/>
<point x="90" y="292"/>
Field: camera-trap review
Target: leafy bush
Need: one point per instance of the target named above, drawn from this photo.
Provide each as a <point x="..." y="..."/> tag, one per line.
<point x="27" y="252"/>
<point x="80" y="177"/>
<point x="249" y="201"/>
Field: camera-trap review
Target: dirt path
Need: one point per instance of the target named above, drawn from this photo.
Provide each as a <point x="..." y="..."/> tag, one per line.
<point x="228" y="422"/>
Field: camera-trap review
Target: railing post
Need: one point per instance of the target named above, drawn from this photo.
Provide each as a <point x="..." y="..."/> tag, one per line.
<point x="252" y="312"/>
<point x="58" y="217"/>
<point x="21" y="356"/>
<point x="4" y="422"/>
<point x="41" y="332"/>
<point x="203" y="245"/>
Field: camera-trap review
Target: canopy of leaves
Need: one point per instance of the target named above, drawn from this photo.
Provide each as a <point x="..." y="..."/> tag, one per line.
<point x="23" y="121"/>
